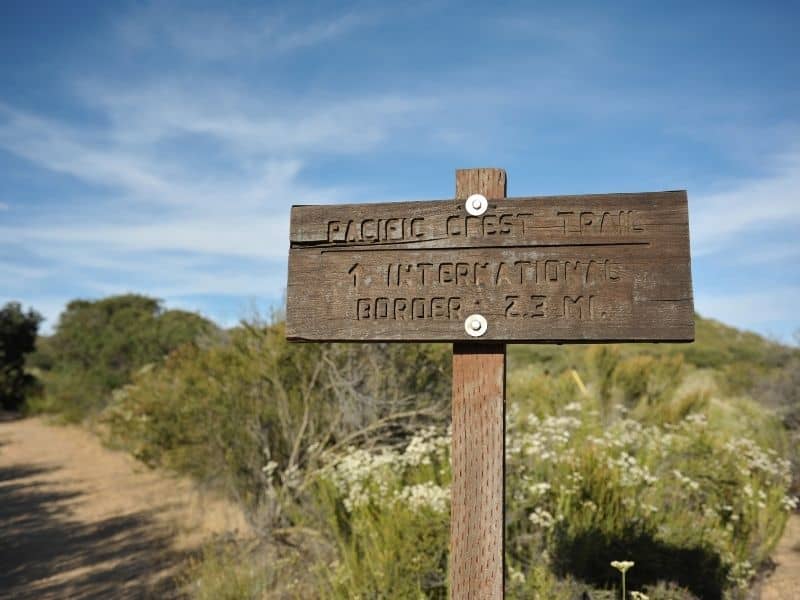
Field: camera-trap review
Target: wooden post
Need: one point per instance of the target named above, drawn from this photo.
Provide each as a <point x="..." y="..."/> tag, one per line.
<point x="477" y="522"/>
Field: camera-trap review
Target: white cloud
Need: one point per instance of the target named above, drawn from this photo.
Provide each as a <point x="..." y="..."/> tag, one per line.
<point x="321" y="31"/>
<point x="14" y="276"/>
<point x="4" y="206"/>
<point x="60" y="148"/>
<point x="221" y="35"/>
<point x="249" y="123"/>
<point x="723" y="220"/>
<point x="771" y="251"/>
<point x="246" y="235"/>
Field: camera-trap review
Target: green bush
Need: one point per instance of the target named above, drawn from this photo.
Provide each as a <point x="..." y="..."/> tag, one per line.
<point x="254" y="414"/>
<point x="388" y="513"/>
<point x="98" y="345"/>
<point x="646" y="381"/>
<point x="17" y="340"/>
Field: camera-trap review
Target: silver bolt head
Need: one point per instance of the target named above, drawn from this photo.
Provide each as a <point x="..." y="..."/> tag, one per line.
<point x="475" y="325"/>
<point x="476" y="204"/>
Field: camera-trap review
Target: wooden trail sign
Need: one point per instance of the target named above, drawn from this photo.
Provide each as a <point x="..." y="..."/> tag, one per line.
<point x="611" y="267"/>
<point x="481" y="271"/>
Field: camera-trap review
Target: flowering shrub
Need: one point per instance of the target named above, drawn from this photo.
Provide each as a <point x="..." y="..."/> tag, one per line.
<point x="388" y="511"/>
<point x="411" y="476"/>
<point x="691" y="502"/>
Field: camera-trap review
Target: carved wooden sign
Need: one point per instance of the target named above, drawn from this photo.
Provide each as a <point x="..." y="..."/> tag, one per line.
<point x="590" y="268"/>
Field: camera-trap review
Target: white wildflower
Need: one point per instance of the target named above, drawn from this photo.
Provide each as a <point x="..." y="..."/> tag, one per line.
<point x="790" y="502"/>
<point x="516" y="576"/>
<point x="538" y="489"/>
<point x="425" y="495"/>
<point x="622" y="565"/>
<point x="542" y="518"/>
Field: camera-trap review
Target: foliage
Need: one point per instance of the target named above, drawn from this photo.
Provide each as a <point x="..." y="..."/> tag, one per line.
<point x="219" y="574"/>
<point x="781" y="392"/>
<point x="98" y="345"/>
<point x="254" y="414"/>
<point x="17" y="339"/>
<point x="388" y="512"/>
<point x="669" y="497"/>
<point x="339" y="453"/>
<point x="739" y="359"/>
<point x="694" y="502"/>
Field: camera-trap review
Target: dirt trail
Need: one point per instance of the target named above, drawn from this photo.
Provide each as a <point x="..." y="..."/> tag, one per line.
<point x="784" y="582"/>
<point x="80" y="521"/>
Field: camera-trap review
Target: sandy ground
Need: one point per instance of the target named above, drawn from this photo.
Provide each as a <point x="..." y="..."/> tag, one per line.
<point x="78" y="520"/>
<point x="784" y="582"/>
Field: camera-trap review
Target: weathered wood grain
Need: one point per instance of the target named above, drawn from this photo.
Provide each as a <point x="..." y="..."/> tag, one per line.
<point x="477" y="515"/>
<point x="478" y="465"/>
<point x="612" y="267"/>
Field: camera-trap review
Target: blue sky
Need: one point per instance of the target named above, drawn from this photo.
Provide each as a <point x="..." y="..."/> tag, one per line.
<point x="157" y="147"/>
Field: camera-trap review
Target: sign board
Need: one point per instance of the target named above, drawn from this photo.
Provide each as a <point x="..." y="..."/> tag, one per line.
<point x="590" y="268"/>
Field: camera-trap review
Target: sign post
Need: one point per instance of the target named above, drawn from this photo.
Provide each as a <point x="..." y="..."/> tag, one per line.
<point x="477" y="509"/>
<point x="481" y="271"/>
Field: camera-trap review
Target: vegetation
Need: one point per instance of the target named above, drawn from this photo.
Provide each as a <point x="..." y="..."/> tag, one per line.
<point x="98" y="345"/>
<point x="254" y="414"/>
<point x="692" y="500"/>
<point x="17" y="339"/>
<point x="675" y="457"/>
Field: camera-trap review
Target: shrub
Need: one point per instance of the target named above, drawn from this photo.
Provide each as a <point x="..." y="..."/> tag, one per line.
<point x="254" y="414"/>
<point x="98" y="345"/>
<point x="17" y="339"/>
<point x="388" y="513"/>
<point x="694" y="503"/>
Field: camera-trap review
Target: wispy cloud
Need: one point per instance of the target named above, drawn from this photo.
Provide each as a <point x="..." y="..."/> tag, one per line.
<point x="224" y="35"/>
<point x="265" y="144"/>
<point x="269" y="124"/>
<point x="169" y="225"/>
<point x="727" y="218"/>
<point x="195" y="174"/>
<point x="60" y="148"/>
<point x="772" y="251"/>
<point x="4" y="206"/>
<point x="239" y="235"/>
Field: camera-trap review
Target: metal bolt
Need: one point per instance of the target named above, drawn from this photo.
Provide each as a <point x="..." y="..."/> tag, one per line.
<point x="476" y="204"/>
<point x="475" y="325"/>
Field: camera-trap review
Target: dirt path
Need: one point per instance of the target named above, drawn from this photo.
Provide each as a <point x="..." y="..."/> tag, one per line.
<point x="784" y="582"/>
<point x="80" y="521"/>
